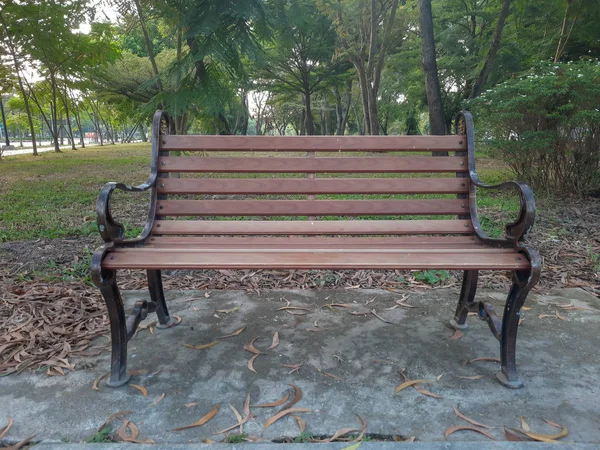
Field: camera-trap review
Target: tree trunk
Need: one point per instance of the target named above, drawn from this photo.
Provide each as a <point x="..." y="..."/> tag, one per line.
<point x="437" y="123"/>
<point x="308" y="118"/>
<point x="364" y="96"/>
<point x="493" y="51"/>
<point x="143" y="133"/>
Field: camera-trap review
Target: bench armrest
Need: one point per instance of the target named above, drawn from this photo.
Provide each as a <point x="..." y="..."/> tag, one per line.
<point x="112" y="231"/>
<point x="515" y="231"/>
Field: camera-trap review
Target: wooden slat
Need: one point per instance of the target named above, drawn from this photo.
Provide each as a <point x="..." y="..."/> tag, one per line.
<point x="311" y="208"/>
<point x="404" y="164"/>
<point x="301" y="227"/>
<point x="313" y="186"/>
<point x="140" y="259"/>
<point x="325" y="249"/>
<point x="314" y="242"/>
<point x="314" y="143"/>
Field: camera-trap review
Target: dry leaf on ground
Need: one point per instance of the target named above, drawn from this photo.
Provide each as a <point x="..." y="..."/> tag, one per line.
<point x="96" y="383"/>
<point x="275" y="342"/>
<point x="273" y="404"/>
<point x="330" y="375"/>
<point x="249" y="347"/>
<point x="553" y="424"/>
<point x="201" y="347"/>
<point x="235" y="333"/>
<point x="513" y="434"/>
<point x="297" y="397"/>
<point x="381" y="318"/>
<point x="524" y="424"/>
<point x="451" y="430"/>
<point x="227" y="311"/>
<point x="142" y="389"/>
<point x="426" y="392"/>
<point x="471" y="421"/>
<point x="409" y="383"/>
<point x="485" y="358"/>
<point x="251" y="363"/>
<point x="294" y="367"/>
<point x="281" y="414"/>
<point x="113" y="417"/>
<point x="159" y="399"/>
<point x="301" y="423"/>
<point x="4" y="430"/>
<point x="472" y="377"/>
<point x="204" y="419"/>
<point x="457" y="335"/>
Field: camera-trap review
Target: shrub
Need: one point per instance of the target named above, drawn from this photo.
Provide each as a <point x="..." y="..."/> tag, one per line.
<point x="546" y="126"/>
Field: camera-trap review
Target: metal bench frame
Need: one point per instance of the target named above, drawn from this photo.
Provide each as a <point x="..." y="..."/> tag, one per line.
<point x="504" y="329"/>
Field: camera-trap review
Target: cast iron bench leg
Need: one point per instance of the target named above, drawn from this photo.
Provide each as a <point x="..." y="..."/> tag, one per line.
<point x="510" y="322"/>
<point x="118" y="329"/>
<point x="466" y="301"/>
<point x="157" y="295"/>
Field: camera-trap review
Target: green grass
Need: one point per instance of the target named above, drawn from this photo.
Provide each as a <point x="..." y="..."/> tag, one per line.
<point x="53" y="195"/>
<point x="100" y="437"/>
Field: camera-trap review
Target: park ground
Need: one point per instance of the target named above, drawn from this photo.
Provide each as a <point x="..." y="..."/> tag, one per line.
<point x="348" y="368"/>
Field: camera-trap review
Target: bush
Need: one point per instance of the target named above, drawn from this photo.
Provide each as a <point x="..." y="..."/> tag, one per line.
<point x="546" y="126"/>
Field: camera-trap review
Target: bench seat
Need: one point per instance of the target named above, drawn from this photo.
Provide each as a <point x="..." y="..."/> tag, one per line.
<point x="458" y="253"/>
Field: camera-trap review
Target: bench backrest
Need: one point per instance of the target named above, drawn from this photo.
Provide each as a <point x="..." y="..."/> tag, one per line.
<point x="250" y="185"/>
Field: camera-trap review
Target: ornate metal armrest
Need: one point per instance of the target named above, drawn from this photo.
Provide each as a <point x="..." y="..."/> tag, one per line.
<point x="515" y="231"/>
<point x="519" y="229"/>
<point x="110" y="230"/>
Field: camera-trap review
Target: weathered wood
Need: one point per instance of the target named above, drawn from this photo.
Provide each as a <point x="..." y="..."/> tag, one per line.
<point x="400" y="164"/>
<point x="301" y="227"/>
<point x="311" y="208"/>
<point x="225" y="186"/>
<point x="314" y="143"/>
<point x="140" y="259"/>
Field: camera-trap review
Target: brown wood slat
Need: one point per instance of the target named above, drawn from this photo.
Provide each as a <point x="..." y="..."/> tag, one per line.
<point x="311" y="208"/>
<point x="404" y="164"/>
<point x="314" y="143"/>
<point x="313" y="186"/>
<point x="314" y="242"/>
<point x="301" y="227"/>
<point x="139" y="259"/>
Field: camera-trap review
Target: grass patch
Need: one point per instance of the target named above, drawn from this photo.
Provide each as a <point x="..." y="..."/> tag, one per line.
<point x="235" y="438"/>
<point x="53" y="195"/>
<point x="100" y="437"/>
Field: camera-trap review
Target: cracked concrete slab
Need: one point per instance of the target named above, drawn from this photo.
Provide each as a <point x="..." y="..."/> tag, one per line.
<point x="350" y="362"/>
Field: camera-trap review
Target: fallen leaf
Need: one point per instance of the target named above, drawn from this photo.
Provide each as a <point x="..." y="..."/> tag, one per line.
<point x="251" y="363"/>
<point x="189" y="405"/>
<point x="451" y="430"/>
<point x="273" y="404"/>
<point x="227" y="311"/>
<point x="457" y="335"/>
<point x="296" y="399"/>
<point x="301" y="423"/>
<point x="4" y="430"/>
<point x="426" y="392"/>
<point x="544" y="316"/>
<point x="337" y="305"/>
<point x="283" y="413"/>
<point x="553" y="424"/>
<point x="113" y="417"/>
<point x="128" y="431"/>
<point x="524" y="424"/>
<point x="19" y="445"/>
<point x="249" y="347"/>
<point x="212" y="413"/>
<point x="142" y="389"/>
<point x="239" y="418"/>
<point x="239" y="424"/>
<point x="95" y="384"/>
<point x="410" y="383"/>
<point x="339" y="433"/>
<point x="286" y="308"/>
<point x="159" y="399"/>
<point x="297" y="313"/>
<point x="275" y="341"/>
<point x="247" y="405"/>
<point x="515" y="435"/>
<point x="235" y="333"/>
<point x="526" y="308"/>
<point x="381" y="318"/>
<point x="472" y="377"/>
<point x="203" y="346"/>
<point x="294" y="367"/>
<point x="485" y="358"/>
<point x="330" y="375"/>
<point x="548" y="437"/>
<point x="208" y="441"/>
<point x="471" y="421"/>
<point x="207" y="294"/>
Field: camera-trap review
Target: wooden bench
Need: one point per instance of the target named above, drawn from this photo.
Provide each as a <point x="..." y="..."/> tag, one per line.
<point x="446" y="233"/>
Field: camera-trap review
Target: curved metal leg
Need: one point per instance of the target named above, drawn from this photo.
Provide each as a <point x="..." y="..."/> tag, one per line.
<point x="118" y="329"/>
<point x="466" y="301"/>
<point x="157" y="295"/>
<point x="523" y="281"/>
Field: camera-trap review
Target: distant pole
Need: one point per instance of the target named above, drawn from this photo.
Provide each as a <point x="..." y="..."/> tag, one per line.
<point x="4" y="122"/>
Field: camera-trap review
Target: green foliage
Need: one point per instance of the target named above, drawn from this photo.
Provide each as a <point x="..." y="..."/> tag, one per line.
<point x="546" y="126"/>
<point x="235" y="438"/>
<point x="305" y="437"/>
<point x="432" y="276"/>
<point x="102" y="436"/>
